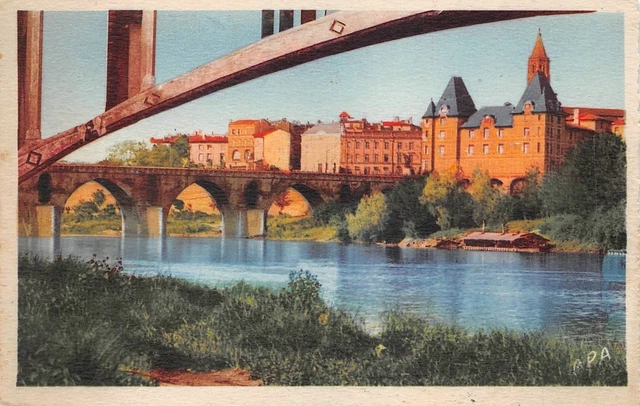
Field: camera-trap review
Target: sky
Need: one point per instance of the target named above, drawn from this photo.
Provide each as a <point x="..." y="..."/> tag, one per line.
<point x="380" y="82"/>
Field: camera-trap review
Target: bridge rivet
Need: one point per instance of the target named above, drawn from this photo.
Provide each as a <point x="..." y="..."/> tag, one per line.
<point x="337" y="27"/>
<point x="34" y="158"/>
<point x="152" y="99"/>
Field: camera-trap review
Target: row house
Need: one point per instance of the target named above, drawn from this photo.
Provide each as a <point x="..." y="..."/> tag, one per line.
<point x="389" y="147"/>
<point x="208" y="151"/>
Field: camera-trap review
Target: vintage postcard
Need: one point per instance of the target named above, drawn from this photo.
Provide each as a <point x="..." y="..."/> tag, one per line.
<point x="318" y="203"/>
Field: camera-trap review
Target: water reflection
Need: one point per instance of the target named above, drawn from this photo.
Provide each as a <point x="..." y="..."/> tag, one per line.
<point x="564" y="294"/>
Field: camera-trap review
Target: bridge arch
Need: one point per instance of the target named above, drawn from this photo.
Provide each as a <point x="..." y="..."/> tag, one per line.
<point x="130" y="216"/>
<point x="221" y="201"/>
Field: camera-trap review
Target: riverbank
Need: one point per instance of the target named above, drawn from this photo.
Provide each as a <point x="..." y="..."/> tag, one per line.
<point x="91" y="324"/>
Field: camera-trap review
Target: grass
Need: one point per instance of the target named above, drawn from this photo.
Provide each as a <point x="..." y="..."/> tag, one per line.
<point x="111" y="226"/>
<point x="88" y="324"/>
<point x="192" y="227"/>
<point x="299" y="229"/>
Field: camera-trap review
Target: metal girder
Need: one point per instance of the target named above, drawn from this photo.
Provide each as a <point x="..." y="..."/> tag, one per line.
<point x="336" y="33"/>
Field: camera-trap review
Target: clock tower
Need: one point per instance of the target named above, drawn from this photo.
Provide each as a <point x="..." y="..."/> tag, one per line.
<point x="538" y="61"/>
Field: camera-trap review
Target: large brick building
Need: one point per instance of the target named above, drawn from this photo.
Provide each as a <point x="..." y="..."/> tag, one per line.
<point x="379" y="148"/>
<point x="508" y="140"/>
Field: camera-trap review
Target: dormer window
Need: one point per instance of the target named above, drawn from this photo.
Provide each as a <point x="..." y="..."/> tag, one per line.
<point x="444" y="111"/>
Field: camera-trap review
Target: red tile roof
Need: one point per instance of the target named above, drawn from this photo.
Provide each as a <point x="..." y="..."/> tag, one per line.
<point x="609" y="114"/>
<point x="344" y="114"/>
<point x="619" y="121"/>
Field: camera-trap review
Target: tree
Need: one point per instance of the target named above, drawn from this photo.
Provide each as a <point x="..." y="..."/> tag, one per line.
<point x="181" y="149"/>
<point x="178" y="204"/>
<point x="485" y="197"/>
<point x="99" y="197"/>
<point x="282" y="201"/>
<point x="407" y="216"/>
<point x="447" y="202"/>
<point x="126" y="152"/>
<point x="368" y="221"/>
<point x="592" y="176"/>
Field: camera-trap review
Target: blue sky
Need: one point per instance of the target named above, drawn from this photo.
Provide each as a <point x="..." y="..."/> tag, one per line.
<point x="380" y="82"/>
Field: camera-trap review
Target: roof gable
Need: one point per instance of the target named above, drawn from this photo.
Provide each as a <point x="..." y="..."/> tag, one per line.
<point x="541" y="95"/>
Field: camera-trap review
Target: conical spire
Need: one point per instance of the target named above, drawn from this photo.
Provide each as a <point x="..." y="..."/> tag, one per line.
<point x="538" y="61"/>
<point x="538" y="49"/>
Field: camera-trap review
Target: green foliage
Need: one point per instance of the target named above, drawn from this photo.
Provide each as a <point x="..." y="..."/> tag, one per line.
<point x="99" y="197"/>
<point x="138" y="153"/>
<point x="178" y="204"/>
<point x="367" y="223"/>
<point x="485" y="197"/>
<point x="300" y="228"/>
<point x="593" y="176"/>
<point x="189" y="222"/>
<point x="451" y="206"/>
<point x="88" y="324"/>
<point x="407" y="216"/>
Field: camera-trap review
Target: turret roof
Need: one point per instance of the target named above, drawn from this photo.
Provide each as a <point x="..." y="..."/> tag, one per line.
<point x="455" y="99"/>
<point x="541" y="95"/>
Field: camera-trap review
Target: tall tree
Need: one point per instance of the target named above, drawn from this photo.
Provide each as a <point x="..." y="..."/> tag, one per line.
<point x="407" y="215"/>
<point x="99" y="197"/>
<point x="592" y="176"/>
<point x="368" y="221"/>
<point x="447" y="202"/>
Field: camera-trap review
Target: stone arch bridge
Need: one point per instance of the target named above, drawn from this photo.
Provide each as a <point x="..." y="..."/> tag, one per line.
<point x="145" y="195"/>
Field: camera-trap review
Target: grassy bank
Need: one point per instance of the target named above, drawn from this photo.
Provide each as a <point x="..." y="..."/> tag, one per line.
<point x="102" y="227"/>
<point x="88" y="324"/>
<point x="299" y="229"/>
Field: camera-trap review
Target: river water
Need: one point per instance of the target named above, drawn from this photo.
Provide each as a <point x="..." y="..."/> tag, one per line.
<point x="577" y="295"/>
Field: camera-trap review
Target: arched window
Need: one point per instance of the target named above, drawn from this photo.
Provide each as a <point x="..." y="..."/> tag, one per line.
<point x="236" y="155"/>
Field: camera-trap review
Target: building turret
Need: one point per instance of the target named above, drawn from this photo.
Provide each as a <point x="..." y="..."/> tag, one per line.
<point x="539" y="61"/>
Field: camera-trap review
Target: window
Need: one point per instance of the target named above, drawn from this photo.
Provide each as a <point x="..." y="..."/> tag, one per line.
<point x="357" y="158"/>
<point x="525" y="147"/>
<point x="470" y="150"/>
<point x="411" y="146"/>
<point x="386" y="145"/>
<point x="375" y="145"/>
<point x="236" y="155"/>
<point x="441" y="149"/>
<point x="500" y="148"/>
<point x="357" y="168"/>
<point x="375" y="157"/>
<point x="201" y="147"/>
<point x="558" y="132"/>
<point x="486" y="133"/>
<point x="443" y="121"/>
<point x="558" y="119"/>
<point x="208" y="157"/>
<point x="209" y="146"/>
<point x="441" y="135"/>
<point x="366" y="157"/>
<point x="500" y="133"/>
<point x="426" y="149"/>
<point x="472" y="133"/>
<point x="366" y="170"/>
<point x="367" y="145"/>
<point x="485" y="149"/>
<point x="357" y="144"/>
<point x="538" y="149"/>
<point x="200" y="157"/>
<point x="399" y="160"/>
<point x="386" y="157"/>
<point x="348" y="144"/>
<point x="399" y="146"/>
<point x="527" y="132"/>
<point x="348" y="157"/>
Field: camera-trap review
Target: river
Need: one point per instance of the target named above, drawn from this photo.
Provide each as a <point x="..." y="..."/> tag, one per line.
<point x="577" y="295"/>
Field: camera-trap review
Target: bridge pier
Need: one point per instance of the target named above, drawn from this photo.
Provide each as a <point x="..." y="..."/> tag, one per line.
<point x="154" y="220"/>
